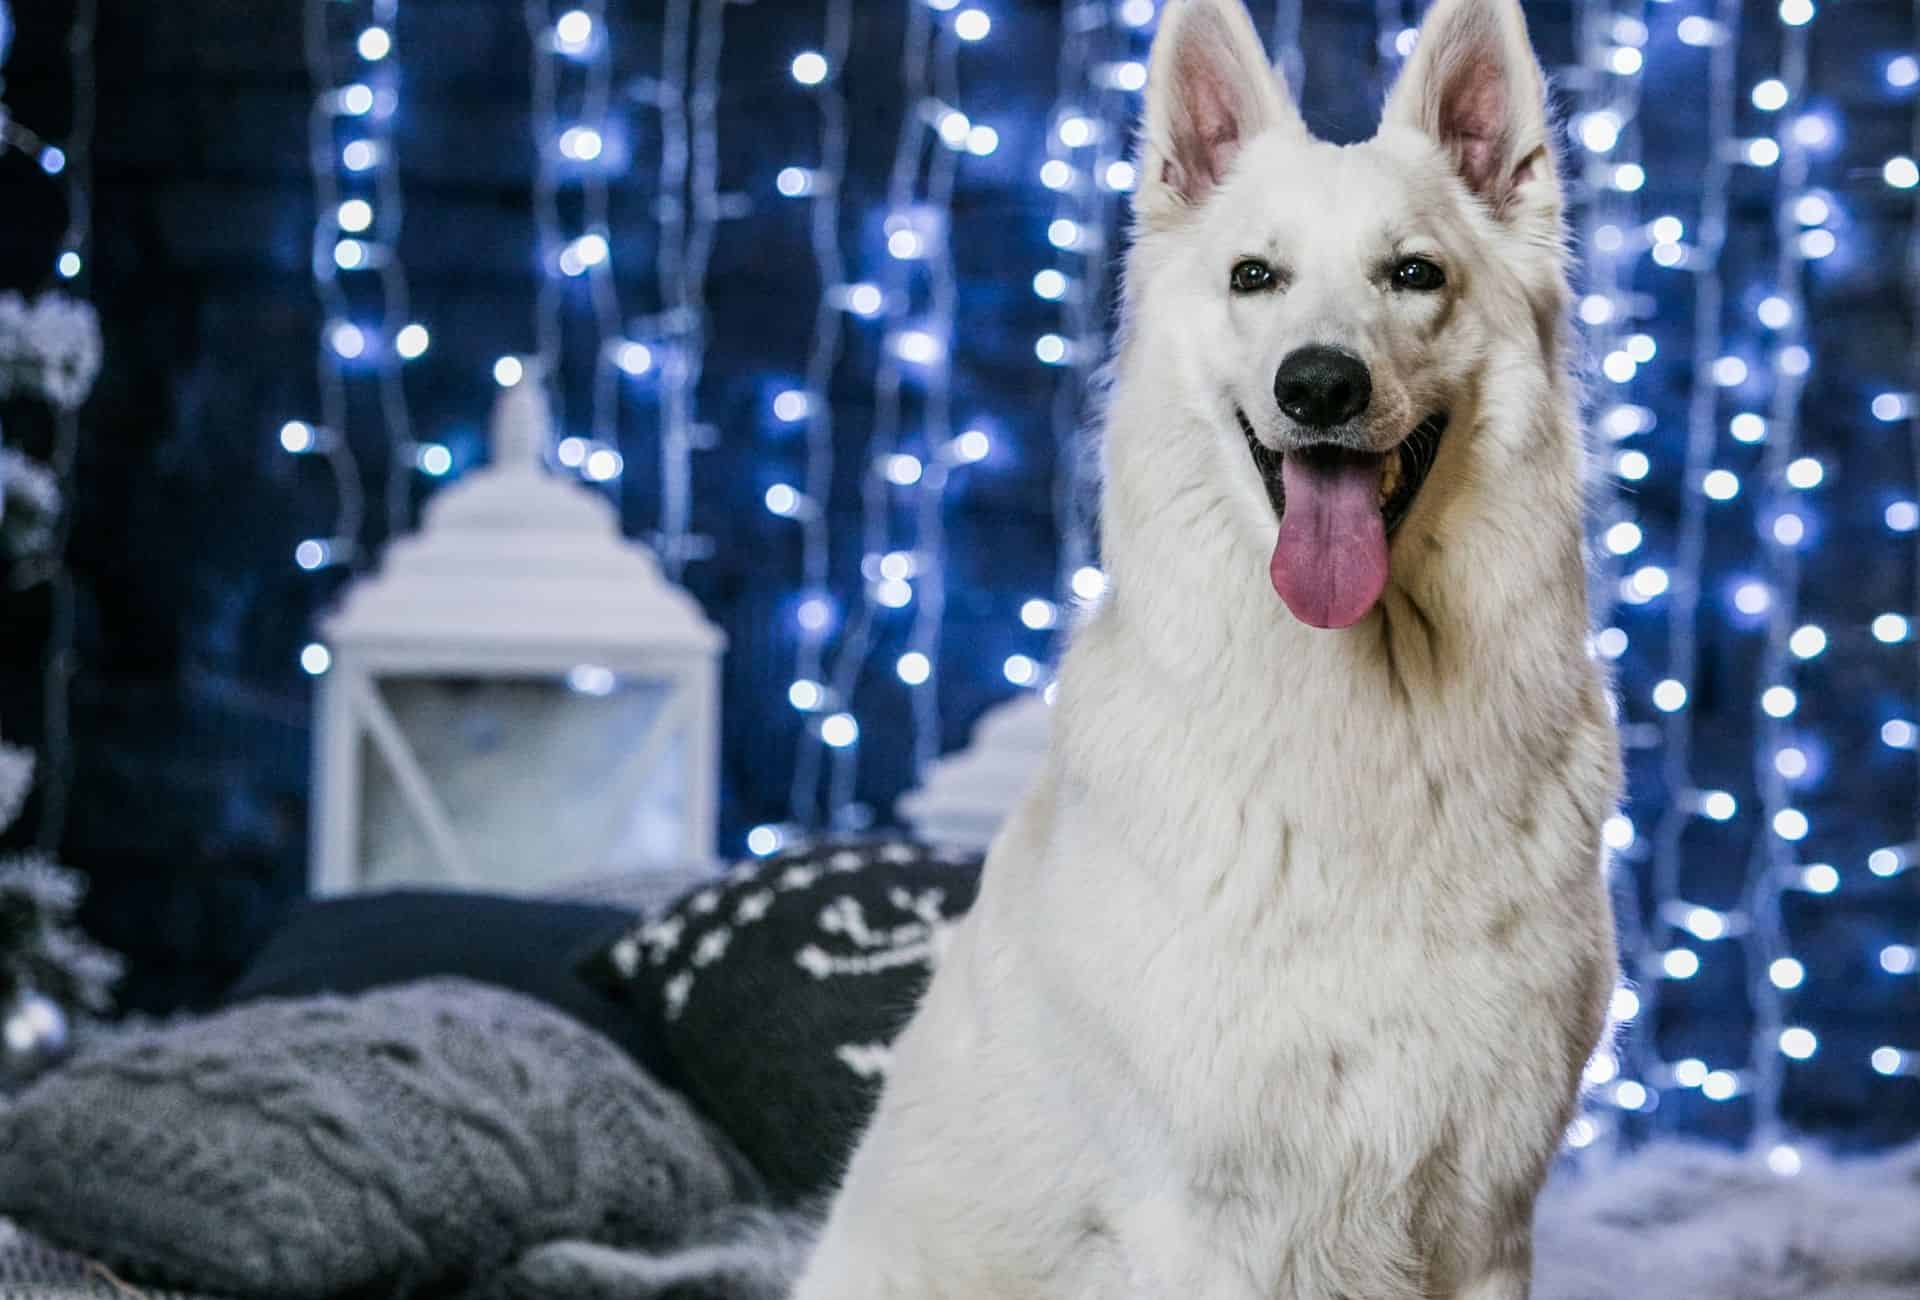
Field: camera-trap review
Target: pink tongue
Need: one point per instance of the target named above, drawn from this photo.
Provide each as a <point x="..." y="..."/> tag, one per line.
<point x="1330" y="563"/>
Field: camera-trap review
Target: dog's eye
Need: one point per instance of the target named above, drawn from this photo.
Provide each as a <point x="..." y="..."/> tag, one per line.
<point x="1418" y="274"/>
<point x="1251" y="276"/>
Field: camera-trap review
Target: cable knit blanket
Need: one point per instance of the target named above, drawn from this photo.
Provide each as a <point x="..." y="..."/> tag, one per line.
<point x="430" y="1138"/>
<point x="455" y="1140"/>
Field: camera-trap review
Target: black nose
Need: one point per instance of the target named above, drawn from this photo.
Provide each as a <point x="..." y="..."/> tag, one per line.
<point x="1321" y="386"/>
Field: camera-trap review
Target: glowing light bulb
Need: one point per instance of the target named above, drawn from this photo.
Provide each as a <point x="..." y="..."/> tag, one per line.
<point x="508" y="371"/>
<point x="581" y="143"/>
<point x="972" y="447"/>
<point x="972" y="24"/>
<point x="1890" y="628"/>
<point x="1790" y="762"/>
<point x="1898" y="959"/>
<point x="1779" y="701"/>
<point x="1120" y="176"/>
<point x="1624" y="538"/>
<point x="1720" y="1085"/>
<point x="1705" y="923"/>
<point x="1718" y="805"/>
<point x="412" y="341"/>
<point x="1617" y="831"/>
<point x="1798" y="1043"/>
<point x="782" y="500"/>
<point x="1690" y="1072"/>
<point x="1039" y="614"/>
<point x="763" y="841"/>
<point x="1789" y="529"/>
<point x="1629" y="178"/>
<point x="1796" y="13"/>
<point x="1902" y="71"/>
<point x="1075" y="131"/>
<point x="1752" y="598"/>
<point x="903" y="470"/>
<point x="1680" y="963"/>
<point x="1089" y="583"/>
<point x="1791" y="824"/>
<point x="573" y="33"/>
<point x="1786" y="973"/>
<point x="793" y="182"/>
<point x="1770" y="96"/>
<point x="1631" y="465"/>
<point x="1902" y="516"/>
<point x="1056" y="174"/>
<point x="434" y="459"/>
<point x="1729" y="372"/>
<point x="1720" y="484"/>
<point x="982" y="140"/>
<point x="1898" y="733"/>
<point x="1783" y="1160"/>
<point x="1775" y="312"/>
<point x="1049" y="284"/>
<point x="297" y="436"/>
<point x="1697" y="31"/>
<point x="1807" y="641"/>
<point x="604" y="465"/>
<point x="1763" y="151"/>
<point x="1051" y="349"/>
<point x="1901" y="172"/>
<point x="347" y="339"/>
<point x="374" y="44"/>
<point x="1887" y="1060"/>
<point x="1624" y="1005"/>
<point x="913" y="668"/>
<point x="1747" y="427"/>
<point x="806" y="695"/>
<point x="1600" y="131"/>
<point x="1669" y="696"/>
<point x="315" y="659"/>
<point x="354" y="216"/>
<point x="1020" y="670"/>
<point x="809" y="67"/>
<point x="839" y="730"/>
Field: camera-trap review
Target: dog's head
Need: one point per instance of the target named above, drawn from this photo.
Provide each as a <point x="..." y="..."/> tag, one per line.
<point x="1330" y="312"/>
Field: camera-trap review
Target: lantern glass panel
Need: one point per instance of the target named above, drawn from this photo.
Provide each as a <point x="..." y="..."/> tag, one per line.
<point x="539" y="780"/>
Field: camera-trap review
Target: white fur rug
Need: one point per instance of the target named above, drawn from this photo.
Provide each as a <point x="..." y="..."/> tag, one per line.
<point x="1691" y="1223"/>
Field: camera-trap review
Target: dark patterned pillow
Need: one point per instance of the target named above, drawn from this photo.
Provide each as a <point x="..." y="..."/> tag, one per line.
<point x="778" y="990"/>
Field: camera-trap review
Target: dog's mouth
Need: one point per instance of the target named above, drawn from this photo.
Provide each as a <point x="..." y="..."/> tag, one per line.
<point x="1330" y="560"/>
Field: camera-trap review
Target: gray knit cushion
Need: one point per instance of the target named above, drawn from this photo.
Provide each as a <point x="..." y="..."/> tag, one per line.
<point x="415" y="1138"/>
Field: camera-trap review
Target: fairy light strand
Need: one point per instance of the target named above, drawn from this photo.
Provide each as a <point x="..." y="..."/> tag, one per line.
<point x="821" y="186"/>
<point x="548" y="340"/>
<point x="329" y="438"/>
<point x="1774" y="856"/>
<point x="1077" y="284"/>
<point x="1704" y="261"/>
<point x="839" y="731"/>
<point x="403" y="337"/>
<point x="929" y="549"/>
<point x="59" y="656"/>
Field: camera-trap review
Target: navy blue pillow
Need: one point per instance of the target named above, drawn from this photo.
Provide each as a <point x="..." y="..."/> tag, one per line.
<point x="529" y="946"/>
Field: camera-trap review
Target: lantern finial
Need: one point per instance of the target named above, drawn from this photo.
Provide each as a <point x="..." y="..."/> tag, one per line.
<point x="522" y="424"/>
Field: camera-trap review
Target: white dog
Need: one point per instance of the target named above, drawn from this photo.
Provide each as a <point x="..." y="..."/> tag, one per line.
<point x="1281" y="982"/>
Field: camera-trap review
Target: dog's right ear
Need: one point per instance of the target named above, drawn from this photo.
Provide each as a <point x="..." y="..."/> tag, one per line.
<point x="1210" y="90"/>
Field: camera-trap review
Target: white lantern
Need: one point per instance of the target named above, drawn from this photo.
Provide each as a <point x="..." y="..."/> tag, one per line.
<point x="518" y="697"/>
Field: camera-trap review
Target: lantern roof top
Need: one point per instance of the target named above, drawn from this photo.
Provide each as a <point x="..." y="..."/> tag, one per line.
<point x="514" y="558"/>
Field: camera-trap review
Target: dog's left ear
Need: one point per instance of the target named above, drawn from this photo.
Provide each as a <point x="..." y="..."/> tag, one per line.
<point x="1474" y="85"/>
